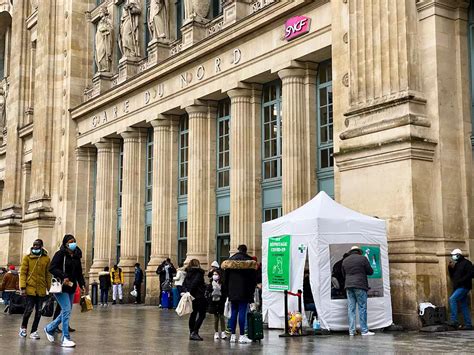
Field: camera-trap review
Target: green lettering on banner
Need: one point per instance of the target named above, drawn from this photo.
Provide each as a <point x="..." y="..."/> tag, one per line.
<point x="279" y="263"/>
<point x="372" y="253"/>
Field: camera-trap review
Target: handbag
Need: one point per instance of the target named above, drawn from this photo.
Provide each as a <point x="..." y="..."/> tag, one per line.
<point x="166" y="285"/>
<point x="56" y="286"/>
<point x="185" y="305"/>
<point x="134" y="292"/>
<point x="227" y="309"/>
<point x="86" y="304"/>
<point x="47" y="310"/>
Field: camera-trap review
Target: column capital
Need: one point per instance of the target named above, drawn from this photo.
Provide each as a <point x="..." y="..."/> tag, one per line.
<point x="133" y="133"/>
<point x="163" y="120"/>
<point x="84" y="153"/>
<point x="201" y="109"/>
<point x="244" y="90"/>
<point x="291" y="73"/>
<point x="106" y="143"/>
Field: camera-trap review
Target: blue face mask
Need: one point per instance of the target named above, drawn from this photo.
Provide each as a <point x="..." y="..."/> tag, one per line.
<point x="72" y="246"/>
<point x="36" y="251"/>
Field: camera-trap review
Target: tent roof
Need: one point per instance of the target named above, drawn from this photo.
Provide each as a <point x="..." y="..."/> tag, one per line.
<point x="324" y="207"/>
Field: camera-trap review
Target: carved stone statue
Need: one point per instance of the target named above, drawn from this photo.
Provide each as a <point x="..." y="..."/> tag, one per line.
<point x="196" y="10"/>
<point x="103" y="43"/>
<point x="129" y="29"/>
<point x="3" y="110"/>
<point x="158" y="20"/>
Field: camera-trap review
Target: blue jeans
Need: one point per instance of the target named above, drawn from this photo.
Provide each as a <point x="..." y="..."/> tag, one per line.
<point x="460" y="295"/>
<point x="65" y="300"/>
<point x="6" y="295"/>
<point x="357" y="296"/>
<point x="104" y="295"/>
<point x="240" y="309"/>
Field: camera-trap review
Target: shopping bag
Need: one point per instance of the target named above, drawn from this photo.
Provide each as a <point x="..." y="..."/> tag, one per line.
<point x="185" y="305"/>
<point x="77" y="295"/>
<point x="47" y="309"/>
<point x="227" y="309"/>
<point x="86" y="304"/>
<point x="134" y="292"/>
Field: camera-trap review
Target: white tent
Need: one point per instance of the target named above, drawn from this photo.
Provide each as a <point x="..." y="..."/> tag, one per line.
<point x="321" y="231"/>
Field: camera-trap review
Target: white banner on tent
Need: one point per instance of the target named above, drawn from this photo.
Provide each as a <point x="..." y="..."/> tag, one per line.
<point x="320" y="228"/>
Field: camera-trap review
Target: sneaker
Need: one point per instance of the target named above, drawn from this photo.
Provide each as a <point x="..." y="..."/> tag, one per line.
<point x="34" y="335"/>
<point x="233" y="339"/>
<point x="368" y="333"/>
<point x="351" y="334"/>
<point x="22" y="333"/>
<point x="49" y="336"/>
<point x="195" y="336"/>
<point x="216" y="336"/>
<point x="223" y="335"/>
<point x="160" y="306"/>
<point x="66" y="343"/>
<point x="243" y="339"/>
<point x="465" y="327"/>
<point x="6" y="309"/>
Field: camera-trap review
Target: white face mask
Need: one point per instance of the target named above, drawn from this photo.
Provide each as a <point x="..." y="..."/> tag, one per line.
<point x="455" y="257"/>
<point x="215" y="277"/>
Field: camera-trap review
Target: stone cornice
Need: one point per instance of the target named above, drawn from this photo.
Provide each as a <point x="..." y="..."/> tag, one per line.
<point x="173" y="64"/>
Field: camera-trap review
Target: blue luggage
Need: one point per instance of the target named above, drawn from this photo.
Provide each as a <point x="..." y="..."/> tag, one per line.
<point x="176" y="296"/>
<point x="165" y="299"/>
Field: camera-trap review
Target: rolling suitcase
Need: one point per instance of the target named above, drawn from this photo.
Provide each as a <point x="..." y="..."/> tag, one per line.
<point x="165" y="299"/>
<point x="255" y="326"/>
<point x="176" y="296"/>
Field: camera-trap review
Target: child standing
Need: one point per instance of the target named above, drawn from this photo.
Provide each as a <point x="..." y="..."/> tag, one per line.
<point x="217" y="300"/>
<point x="105" y="285"/>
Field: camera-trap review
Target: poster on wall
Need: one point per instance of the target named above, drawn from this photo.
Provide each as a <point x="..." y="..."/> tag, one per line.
<point x="279" y="263"/>
<point x="338" y="253"/>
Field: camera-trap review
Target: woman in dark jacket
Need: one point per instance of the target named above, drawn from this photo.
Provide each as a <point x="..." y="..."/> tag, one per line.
<point x="194" y="284"/>
<point x="66" y="267"/>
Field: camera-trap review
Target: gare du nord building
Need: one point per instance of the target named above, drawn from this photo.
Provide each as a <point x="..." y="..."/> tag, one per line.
<point x="154" y="129"/>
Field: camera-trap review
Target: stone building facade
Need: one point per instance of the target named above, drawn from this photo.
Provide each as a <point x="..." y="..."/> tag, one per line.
<point x="154" y="129"/>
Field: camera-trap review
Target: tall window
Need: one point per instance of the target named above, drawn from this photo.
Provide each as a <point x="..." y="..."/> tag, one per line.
<point x="272" y="131"/>
<point x="223" y="150"/>
<point x="5" y="28"/>
<point x="217" y="8"/>
<point x="271" y="150"/>
<point x="325" y="129"/>
<point x="148" y="194"/>
<point x="119" y="210"/>
<point x="223" y="177"/>
<point x="183" y="155"/>
<point x="179" y="17"/>
<point x="183" y="147"/>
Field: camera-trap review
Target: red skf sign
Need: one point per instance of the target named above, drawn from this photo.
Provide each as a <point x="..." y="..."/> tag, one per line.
<point x="296" y="26"/>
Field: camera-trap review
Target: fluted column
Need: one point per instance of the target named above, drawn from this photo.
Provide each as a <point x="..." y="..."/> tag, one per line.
<point x="241" y="169"/>
<point x="201" y="181"/>
<point x="105" y="203"/>
<point x="134" y="144"/>
<point x="294" y="160"/>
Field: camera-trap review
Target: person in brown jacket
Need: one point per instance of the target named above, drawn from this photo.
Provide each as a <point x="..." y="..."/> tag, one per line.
<point x="35" y="281"/>
<point x="10" y="284"/>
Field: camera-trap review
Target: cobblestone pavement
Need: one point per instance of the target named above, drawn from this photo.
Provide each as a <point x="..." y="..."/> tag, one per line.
<point x="129" y="329"/>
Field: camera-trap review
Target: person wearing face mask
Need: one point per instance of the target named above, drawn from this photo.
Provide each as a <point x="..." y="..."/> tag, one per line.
<point x="216" y="302"/>
<point x="460" y="271"/>
<point x="66" y="267"/>
<point x="35" y="280"/>
<point x="166" y="271"/>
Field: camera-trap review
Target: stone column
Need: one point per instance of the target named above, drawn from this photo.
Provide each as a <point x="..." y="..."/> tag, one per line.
<point x="133" y="199"/>
<point x="243" y="208"/>
<point x="295" y="190"/>
<point x="201" y="181"/>
<point x="162" y="201"/>
<point x="106" y="195"/>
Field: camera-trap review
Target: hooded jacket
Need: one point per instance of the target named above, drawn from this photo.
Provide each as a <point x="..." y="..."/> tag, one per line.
<point x="240" y="277"/>
<point x="35" y="278"/>
<point x="67" y="265"/>
<point x="194" y="282"/>
<point x="355" y="269"/>
<point x="461" y="274"/>
<point x="10" y="281"/>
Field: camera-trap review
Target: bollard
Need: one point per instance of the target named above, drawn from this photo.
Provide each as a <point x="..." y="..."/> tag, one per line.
<point x="94" y="293"/>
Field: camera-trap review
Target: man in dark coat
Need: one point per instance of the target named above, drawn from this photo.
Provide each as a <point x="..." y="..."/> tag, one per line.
<point x="355" y="269"/>
<point x="240" y="281"/>
<point x="166" y="270"/>
<point x="137" y="283"/>
<point x="460" y="271"/>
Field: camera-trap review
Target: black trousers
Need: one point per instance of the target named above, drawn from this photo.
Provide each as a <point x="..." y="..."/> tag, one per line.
<point x="198" y="315"/>
<point x="32" y="302"/>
